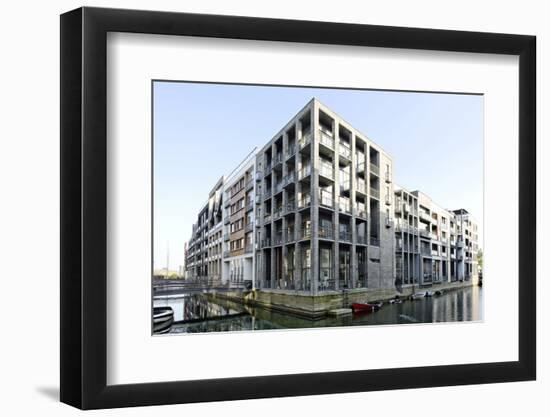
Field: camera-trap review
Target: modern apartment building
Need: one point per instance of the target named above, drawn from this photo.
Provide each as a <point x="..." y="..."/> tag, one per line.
<point x="204" y="252"/>
<point x="315" y="211"/>
<point x="324" y="207"/>
<point x="238" y="264"/>
<point x="432" y="244"/>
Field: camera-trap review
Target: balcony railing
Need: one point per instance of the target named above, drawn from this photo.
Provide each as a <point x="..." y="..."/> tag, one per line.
<point x="249" y="227"/>
<point x="360" y="167"/>
<point x="424" y="233"/>
<point x="361" y="212"/>
<point x="278" y="239"/>
<point x="387" y="176"/>
<point x="326" y="199"/>
<point x="267" y="218"/>
<point x="344" y="205"/>
<point x="326" y="232"/>
<point x="360" y="186"/>
<point x="290" y="236"/>
<point x="344" y="151"/>
<point x="305" y="140"/>
<point x="268" y="167"/>
<point x="304" y="172"/>
<point x="267" y="194"/>
<point x="326" y="139"/>
<point x="278" y="212"/>
<point x="277" y="159"/>
<point x="249" y="184"/>
<point x="304" y="201"/>
<point x="249" y="205"/>
<point x="289" y="179"/>
<point x="375" y="169"/>
<point x="345" y="236"/>
<point x="291" y="151"/>
<point x="265" y="243"/>
<point x="248" y="248"/>
<point x="326" y="170"/>
<point x="374" y="192"/>
<point x="305" y="232"/>
<point x="289" y="207"/>
<point x="425" y="216"/>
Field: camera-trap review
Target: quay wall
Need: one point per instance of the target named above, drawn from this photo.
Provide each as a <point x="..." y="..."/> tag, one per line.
<point x="317" y="307"/>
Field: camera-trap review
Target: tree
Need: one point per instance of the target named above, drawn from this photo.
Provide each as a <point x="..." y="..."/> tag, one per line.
<point x="480" y="259"/>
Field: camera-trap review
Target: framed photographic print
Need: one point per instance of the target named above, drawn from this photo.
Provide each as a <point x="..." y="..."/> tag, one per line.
<point x="256" y="208"/>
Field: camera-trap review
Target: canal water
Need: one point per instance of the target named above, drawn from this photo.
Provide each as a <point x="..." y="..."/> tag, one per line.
<point x="196" y="312"/>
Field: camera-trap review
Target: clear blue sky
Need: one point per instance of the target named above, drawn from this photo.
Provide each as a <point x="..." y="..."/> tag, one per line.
<point x="202" y="131"/>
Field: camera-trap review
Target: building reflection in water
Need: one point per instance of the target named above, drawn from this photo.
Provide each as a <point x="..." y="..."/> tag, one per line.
<point x="196" y="313"/>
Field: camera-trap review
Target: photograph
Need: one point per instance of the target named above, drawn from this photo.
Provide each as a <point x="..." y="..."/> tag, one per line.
<point x="293" y="207"/>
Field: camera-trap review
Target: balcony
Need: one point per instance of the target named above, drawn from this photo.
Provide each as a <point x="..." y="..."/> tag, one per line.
<point x="249" y="185"/>
<point x="291" y="151"/>
<point x="290" y="236"/>
<point x="345" y="151"/>
<point x="345" y="236"/>
<point x="389" y="223"/>
<point x="344" y="205"/>
<point x="361" y="212"/>
<point x="360" y="167"/>
<point x="374" y="169"/>
<point x="360" y="186"/>
<point x="326" y="170"/>
<point x="326" y="139"/>
<point x="278" y="159"/>
<point x="326" y="232"/>
<point x="249" y="227"/>
<point x="267" y="194"/>
<point x="374" y="241"/>
<point x="268" y="167"/>
<point x="387" y="176"/>
<point x="278" y="240"/>
<point x="326" y="199"/>
<point x="265" y="243"/>
<point x="226" y="221"/>
<point x="226" y="254"/>
<point x="259" y="175"/>
<point x="304" y="140"/>
<point x="267" y="218"/>
<point x="424" y="233"/>
<point x="388" y="200"/>
<point x="304" y="172"/>
<point x="374" y="193"/>
<point x="290" y="207"/>
<point x="249" y="205"/>
<point x="289" y="179"/>
<point x="425" y="216"/>
<point x="278" y="212"/>
<point x="361" y="240"/>
<point x="226" y="237"/>
<point x="278" y="188"/>
<point x="304" y="201"/>
<point x="305" y="232"/>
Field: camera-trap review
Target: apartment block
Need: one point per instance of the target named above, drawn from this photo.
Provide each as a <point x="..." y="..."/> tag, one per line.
<point x="238" y="264"/>
<point x="432" y="244"/>
<point x="324" y="207"/>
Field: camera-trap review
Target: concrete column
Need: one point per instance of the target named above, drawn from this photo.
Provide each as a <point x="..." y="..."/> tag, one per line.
<point x="353" y="173"/>
<point x="297" y="217"/>
<point x="285" y="200"/>
<point x="314" y="198"/>
<point x="336" y="198"/>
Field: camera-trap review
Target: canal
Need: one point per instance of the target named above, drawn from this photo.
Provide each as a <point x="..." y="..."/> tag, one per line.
<point x="195" y="312"/>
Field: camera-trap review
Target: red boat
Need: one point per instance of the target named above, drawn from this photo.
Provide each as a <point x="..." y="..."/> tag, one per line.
<point x="365" y="308"/>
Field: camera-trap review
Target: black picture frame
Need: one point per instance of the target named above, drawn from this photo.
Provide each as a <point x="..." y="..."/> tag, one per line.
<point x="84" y="207"/>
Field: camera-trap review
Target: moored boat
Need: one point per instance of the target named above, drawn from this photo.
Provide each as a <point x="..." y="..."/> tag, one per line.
<point x="163" y="317"/>
<point x="366" y="307"/>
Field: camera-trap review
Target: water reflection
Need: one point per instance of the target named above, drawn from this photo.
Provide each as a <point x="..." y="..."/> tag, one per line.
<point x="198" y="312"/>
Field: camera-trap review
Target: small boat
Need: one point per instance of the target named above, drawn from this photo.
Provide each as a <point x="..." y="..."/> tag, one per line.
<point x="365" y="307"/>
<point x="396" y="301"/>
<point x="429" y="294"/>
<point x="418" y="295"/>
<point x="438" y="292"/>
<point x="163" y="317"/>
